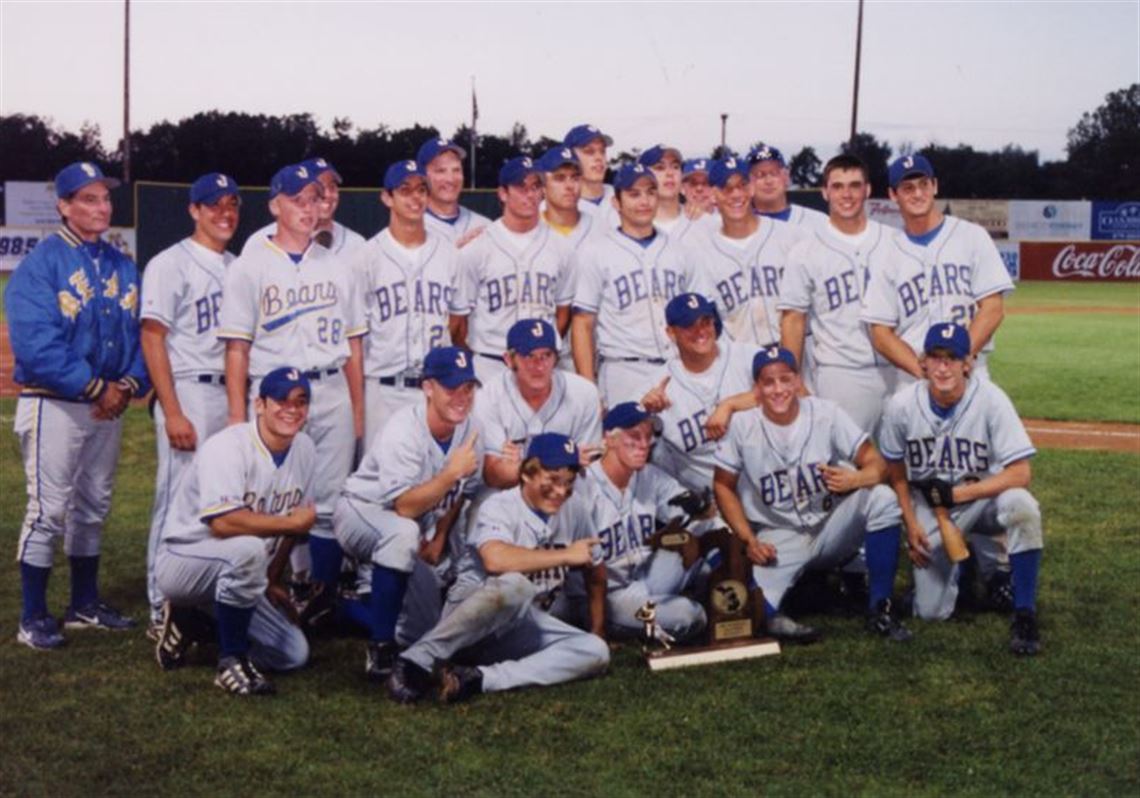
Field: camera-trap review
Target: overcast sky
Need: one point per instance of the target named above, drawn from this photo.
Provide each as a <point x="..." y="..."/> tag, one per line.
<point x="983" y="73"/>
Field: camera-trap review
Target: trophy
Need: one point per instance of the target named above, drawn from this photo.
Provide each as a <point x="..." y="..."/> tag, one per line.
<point x="735" y="611"/>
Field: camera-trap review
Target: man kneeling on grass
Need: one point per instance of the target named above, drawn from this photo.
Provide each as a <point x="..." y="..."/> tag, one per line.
<point x="247" y="496"/>
<point x="522" y="543"/>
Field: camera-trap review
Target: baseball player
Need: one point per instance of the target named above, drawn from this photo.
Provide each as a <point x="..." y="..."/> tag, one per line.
<point x="287" y="301"/>
<point x="627" y="497"/>
<point x="623" y="279"/>
<point x="181" y="304"/>
<point x="410" y="275"/>
<point x="530" y="398"/>
<point x="695" y="187"/>
<point x="328" y="232"/>
<point x="589" y="146"/>
<point x="72" y="308"/>
<point x="517" y="269"/>
<point x="707" y="370"/>
<point x="246" y="497"/>
<point x="780" y="489"/>
<point x="959" y="444"/>
<point x="823" y="288"/>
<point x="523" y="542"/>
<point x="665" y="163"/>
<point x="942" y="269"/>
<point x="770" y="180"/>
<point x="398" y="508"/>
<point x="442" y="161"/>
<point x="741" y="263"/>
<point x="562" y="188"/>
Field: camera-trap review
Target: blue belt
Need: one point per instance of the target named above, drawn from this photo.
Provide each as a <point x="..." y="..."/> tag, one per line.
<point x="316" y="374"/>
<point x="211" y="379"/>
<point x="401" y="382"/>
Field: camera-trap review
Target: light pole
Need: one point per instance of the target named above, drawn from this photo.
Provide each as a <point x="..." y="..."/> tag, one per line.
<point x="855" y="92"/>
<point x="127" y="92"/>
<point x="723" y="134"/>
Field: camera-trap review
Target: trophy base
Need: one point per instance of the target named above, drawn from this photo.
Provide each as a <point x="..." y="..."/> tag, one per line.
<point x="707" y="655"/>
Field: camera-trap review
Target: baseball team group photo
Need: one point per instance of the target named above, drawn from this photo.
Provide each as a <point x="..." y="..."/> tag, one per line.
<point x="646" y="470"/>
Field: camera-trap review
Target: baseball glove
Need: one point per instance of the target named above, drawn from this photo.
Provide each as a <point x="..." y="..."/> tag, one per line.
<point x="938" y="492"/>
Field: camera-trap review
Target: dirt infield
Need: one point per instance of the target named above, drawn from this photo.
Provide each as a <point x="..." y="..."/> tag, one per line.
<point x="1033" y="310"/>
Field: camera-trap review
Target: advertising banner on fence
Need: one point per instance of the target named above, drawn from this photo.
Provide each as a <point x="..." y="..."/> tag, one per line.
<point x="16" y="242"/>
<point x="993" y="215"/>
<point x="1061" y="220"/>
<point x="1119" y="221"/>
<point x="1078" y="261"/>
<point x="884" y="211"/>
<point x="30" y="204"/>
<point x="1010" y="252"/>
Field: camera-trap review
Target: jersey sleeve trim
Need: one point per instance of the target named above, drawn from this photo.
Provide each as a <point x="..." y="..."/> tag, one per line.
<point x="234" y="335"/>
<point x="1023" y="454"/>
<point x="218" y="510"/>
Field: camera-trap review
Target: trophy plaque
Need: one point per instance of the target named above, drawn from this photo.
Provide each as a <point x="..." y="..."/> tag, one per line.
<point x="735" y="611"/>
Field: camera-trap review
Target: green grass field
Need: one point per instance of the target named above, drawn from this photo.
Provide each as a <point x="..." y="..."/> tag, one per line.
<point x="950" y="713"/>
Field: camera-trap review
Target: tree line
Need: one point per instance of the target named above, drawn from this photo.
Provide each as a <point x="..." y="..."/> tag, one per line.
<point x="1103" y="152"/>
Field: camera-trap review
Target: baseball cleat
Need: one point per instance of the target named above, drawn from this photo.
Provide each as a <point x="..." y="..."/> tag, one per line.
<point x="175" y="637"/>
<point x="97" y="616"/>
<point x="1024" y="638"/>
<point x="999" y="592"/>
<point x="41" y="633"/>
<point x="786" y="630"/>
<point x="407" y="682"/>
<point x="238" y="676"/>
<point x="882" y="622"/>
<point x="379" y="659"/>
<point x="459" y="682"/>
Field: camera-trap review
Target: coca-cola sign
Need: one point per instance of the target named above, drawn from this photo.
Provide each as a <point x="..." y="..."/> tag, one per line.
<point x="1080" y="260"/>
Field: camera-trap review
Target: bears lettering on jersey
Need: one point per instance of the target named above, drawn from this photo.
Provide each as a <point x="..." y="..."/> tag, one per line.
<point x="526" y="288"/>
<point x="692" y="430"/>
<point x="427" y="296"/>
<point x="798" y="485"/>
<point x="631" y="533"/>
<point x="844" y="289"/>
<point x="208" y="310"/>
<point x="276" y="503"/>
<point x="948" y="454"/>
<point x="296" y="302"/>
<point x="663" y="284"/>
<point x="763" y="281"/>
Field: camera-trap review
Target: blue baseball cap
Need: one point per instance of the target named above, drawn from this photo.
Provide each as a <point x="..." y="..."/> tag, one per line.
<point x="432" y="148"/>
<point x="280" y="382"/>
<point x="723" y="169"/>
<point x="629" y="174"/>
<point x="291" y="180"/>
<point x="527" y="335"/>
<point x="685" y="310"/>
<point x="450" y="366"/>
<point x="950" y="337"/>
<point x="208" y="189"/>
<point x="627" y="415"/>
<point x="79" y="174"/>
<point x="556" y="157"/>
<point x="397" y="173"/>
<point x="318" y="166"/>
<point x="908" y="166"/>
<point x="554" y="450"/>
<point x="581" y="135"/>
<point x="694" y="166"/>
<point x="770" y="355"/>
<point x="763" y="152"/>
<point x="654" y="154"/>
<point x="515" y="171"/>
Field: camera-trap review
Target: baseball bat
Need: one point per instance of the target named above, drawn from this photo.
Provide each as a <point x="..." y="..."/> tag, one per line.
<point x="952" y="539"/>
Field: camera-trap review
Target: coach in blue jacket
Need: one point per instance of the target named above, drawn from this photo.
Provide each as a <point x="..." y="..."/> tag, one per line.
<point x="73" y="315"/>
